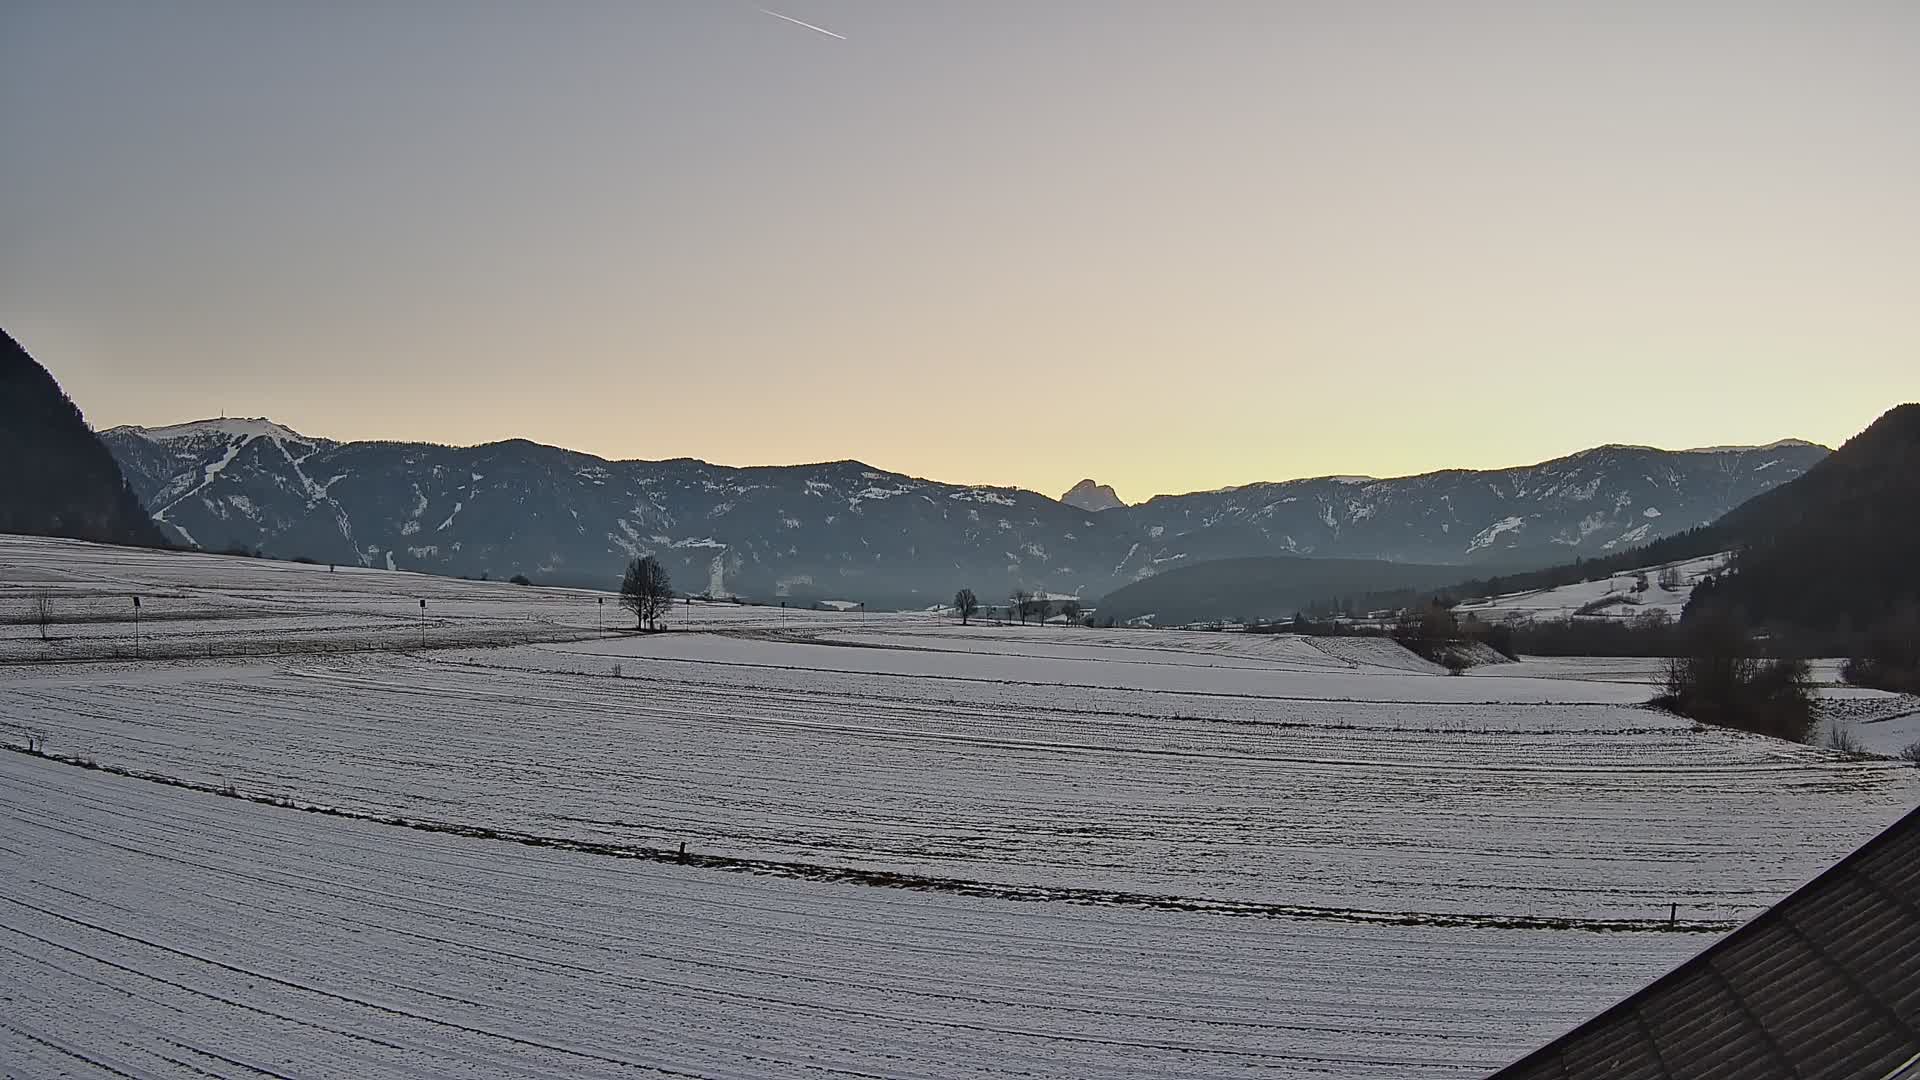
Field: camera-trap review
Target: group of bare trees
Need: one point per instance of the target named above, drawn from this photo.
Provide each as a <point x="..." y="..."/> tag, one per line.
<point x="647" y="591"/>
<point x="1025" y="605"/>
<point x="1718" y="677"/>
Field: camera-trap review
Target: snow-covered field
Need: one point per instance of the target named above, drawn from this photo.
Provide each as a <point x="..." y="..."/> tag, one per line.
<point x="162" y="933"/>
<point x="199" y="606"/>
<point x="1876" y="721"/>
<point x="914" y="849"/>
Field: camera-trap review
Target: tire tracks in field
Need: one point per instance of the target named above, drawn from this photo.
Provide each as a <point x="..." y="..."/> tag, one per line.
<point x="805" y="871"/>
<point x="467" y="918"/>
<point x="762" y="1000"/>
<point x="945" y="705"/>
<point x="67" y="1051"/>
<point x="261" y="976"/>
<point x="1476" y="768"/>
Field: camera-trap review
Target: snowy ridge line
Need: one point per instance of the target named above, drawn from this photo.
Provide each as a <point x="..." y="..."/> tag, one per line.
<point x="815" y="636"/>
<point x="1203" y="755"/>
<point x="934" y="677"/>
<point x="919" y="882"/>
<point x="397" y="637"/>
<point x="1016" y="708"/>
<point x="1274" y="657"/>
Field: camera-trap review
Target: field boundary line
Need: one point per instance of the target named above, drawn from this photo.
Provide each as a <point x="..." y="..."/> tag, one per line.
<point x="916" y="882"/>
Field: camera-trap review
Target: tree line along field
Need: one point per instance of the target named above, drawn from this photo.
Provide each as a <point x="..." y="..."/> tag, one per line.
<point x="912" y="849"/>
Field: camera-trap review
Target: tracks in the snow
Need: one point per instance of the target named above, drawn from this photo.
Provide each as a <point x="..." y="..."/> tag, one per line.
<point x="805" y="871"/>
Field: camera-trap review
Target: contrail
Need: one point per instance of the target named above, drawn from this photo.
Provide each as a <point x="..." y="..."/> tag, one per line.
<point x="808" y="25"/>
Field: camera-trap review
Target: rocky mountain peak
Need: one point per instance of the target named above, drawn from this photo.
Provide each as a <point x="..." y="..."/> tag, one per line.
<point x="1089" y="496"/>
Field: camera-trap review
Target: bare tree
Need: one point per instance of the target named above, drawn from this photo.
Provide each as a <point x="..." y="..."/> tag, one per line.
<point x="967" y="604"/>
<point x="1023" y="604"/>
<point x="646" y="591"/>
<point x="43" y="611"/>
<point x="1071" y="609"/>
<point x="1670" y="579"/>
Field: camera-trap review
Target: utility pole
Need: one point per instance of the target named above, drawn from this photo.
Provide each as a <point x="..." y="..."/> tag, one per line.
<point x="136" y="625"/>
<point x="602" y="608"/>
<point x="423" y="622"/>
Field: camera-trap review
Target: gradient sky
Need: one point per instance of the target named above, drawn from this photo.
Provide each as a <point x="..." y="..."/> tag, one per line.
<point x="1171" y="246"/>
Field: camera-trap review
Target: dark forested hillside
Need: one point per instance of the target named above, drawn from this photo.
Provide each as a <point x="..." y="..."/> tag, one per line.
<point x="1826" y="564"/>
<point x="1273" y="587"/>
<point x="1830" y="555"/>
<point x="56" y="477"/>
<point x="1705" y="540"/>
<point x="1839" y="547"/>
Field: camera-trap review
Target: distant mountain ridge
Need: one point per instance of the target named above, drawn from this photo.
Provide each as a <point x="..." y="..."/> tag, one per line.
<point x="847" y="530"/>
<point x="56" y="478"/>
<point x="1261" y="588"/>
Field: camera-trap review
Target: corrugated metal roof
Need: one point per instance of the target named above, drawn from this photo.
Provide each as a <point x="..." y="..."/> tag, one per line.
<point x="1824" y="984"/>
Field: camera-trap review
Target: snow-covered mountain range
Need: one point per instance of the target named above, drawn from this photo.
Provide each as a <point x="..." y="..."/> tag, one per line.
<point x="844" y="529"/>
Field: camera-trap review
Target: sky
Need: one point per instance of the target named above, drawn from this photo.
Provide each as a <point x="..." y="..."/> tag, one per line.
<point x="1171" y="246"/>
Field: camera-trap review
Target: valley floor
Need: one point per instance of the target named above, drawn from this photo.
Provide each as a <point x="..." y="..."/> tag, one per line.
<point x="914" y="849"/>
